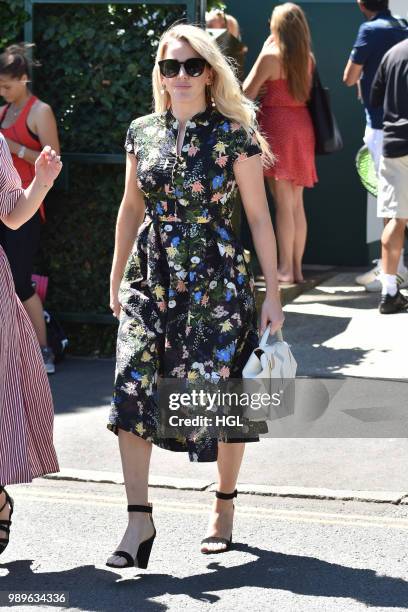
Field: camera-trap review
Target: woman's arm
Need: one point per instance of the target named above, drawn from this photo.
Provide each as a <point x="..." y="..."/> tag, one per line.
<point x="30" y="155"/>
<point x="265" y="68"/>
<point x="249" y="176"/>
<point x="45" y="126"/>
<point x="130" y="216"/>
<point x="352" y="73"/>
<point x="47" y="168"/>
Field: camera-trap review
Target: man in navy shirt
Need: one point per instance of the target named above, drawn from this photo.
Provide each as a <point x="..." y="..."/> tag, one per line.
<point x="375" y="37"/>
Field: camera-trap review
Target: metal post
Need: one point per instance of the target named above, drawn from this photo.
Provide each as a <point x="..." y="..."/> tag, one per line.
<point x="28" y="26"/>
<point x="201" y="9"/>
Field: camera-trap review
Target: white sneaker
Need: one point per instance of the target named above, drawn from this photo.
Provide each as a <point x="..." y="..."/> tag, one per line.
<point x="371" y="275"/>
<point x="402" y="281"/>
<point x="49" y="359"/>
<point x="402" y="278"/>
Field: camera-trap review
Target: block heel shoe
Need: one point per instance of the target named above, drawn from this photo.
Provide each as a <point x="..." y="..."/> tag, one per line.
<point x="5" y="523"/>
<point x="217" y="539"/>
<point x="143" y="552"/>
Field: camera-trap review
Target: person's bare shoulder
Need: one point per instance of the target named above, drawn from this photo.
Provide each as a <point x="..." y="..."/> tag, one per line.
<point x="41" y="109"/>
<point x="41" y="114"/>
<point x="271" y="61"/>
<point x="271" y="51"/>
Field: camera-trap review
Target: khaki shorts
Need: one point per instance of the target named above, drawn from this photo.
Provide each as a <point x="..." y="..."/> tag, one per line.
<point x="374" y="141"/>
<point x="392" y="201"/>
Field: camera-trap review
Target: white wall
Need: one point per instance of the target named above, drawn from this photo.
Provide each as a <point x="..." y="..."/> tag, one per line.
<point x="399" y="7"/>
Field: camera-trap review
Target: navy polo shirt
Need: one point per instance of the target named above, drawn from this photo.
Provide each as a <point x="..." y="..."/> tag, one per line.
<point x="375" y="37"/>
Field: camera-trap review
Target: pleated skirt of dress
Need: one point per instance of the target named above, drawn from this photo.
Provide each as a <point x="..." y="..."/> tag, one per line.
<point x="26" y="407"/>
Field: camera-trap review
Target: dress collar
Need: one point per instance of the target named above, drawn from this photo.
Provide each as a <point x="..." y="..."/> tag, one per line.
<point x="200" y="118"/>
<point x="381" y="15"/>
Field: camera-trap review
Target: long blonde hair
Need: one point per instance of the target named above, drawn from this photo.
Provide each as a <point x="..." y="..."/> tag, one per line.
<point x="225" y="88"/>
<point x="293" y="39"/>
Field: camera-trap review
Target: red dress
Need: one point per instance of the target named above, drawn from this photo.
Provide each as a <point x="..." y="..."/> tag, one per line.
<point x="287" y="126"/>
<point x="26" y="408"/>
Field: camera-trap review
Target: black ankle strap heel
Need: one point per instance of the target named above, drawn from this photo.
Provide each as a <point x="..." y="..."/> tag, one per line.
<point x="143" y="552"/>
<point x="217" y="539"/>
<point x="221" y="495"/>
<point x="133" y="508"/>
<point x="5" y="523"/>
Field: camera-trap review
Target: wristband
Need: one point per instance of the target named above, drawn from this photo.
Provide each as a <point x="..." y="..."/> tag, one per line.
<point x="21" y="152"/>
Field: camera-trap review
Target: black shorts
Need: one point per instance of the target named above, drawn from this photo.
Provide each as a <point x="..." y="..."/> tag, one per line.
<point x="21" y="247"/>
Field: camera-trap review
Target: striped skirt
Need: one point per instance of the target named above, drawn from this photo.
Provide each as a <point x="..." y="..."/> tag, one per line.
<point x="26" y="408"/>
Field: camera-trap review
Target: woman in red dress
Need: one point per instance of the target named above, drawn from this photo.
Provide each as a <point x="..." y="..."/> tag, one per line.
<point x="282" y="73"/>
<point x="26" y="409"/>
<point x="27" y="124"/>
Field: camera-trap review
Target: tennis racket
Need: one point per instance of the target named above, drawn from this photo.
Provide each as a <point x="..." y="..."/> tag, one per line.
<point x="366" y="170"/>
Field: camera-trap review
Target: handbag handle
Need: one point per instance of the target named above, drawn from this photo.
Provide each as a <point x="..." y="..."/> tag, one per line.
<point x="266" y="334"/>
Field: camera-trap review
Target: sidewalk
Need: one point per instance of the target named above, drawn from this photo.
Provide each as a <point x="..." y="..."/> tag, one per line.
<point x="335" y="330"/>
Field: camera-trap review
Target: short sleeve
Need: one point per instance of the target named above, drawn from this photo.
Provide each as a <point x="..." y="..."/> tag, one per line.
<point x="244" y="143"/>
<point x="363" y="46"/>
<point x="378" y="85"/>
<point x="10" y="183"/>
<point x="130" y="144"/>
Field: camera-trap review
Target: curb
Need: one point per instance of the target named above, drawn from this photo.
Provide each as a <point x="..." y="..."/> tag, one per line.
<point x="288" y="293"/>
<point x="186" y="484"/>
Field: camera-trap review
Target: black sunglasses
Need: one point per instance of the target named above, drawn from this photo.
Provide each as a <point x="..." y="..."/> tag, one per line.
<point x="194" y="67"/>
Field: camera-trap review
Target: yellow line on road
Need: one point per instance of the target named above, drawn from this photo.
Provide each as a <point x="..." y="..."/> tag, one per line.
<point x="173" y="506"/>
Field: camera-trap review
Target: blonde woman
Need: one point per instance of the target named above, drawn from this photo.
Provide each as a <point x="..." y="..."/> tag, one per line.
<point x="186" y="303"/>
<point x="283" y="71"/>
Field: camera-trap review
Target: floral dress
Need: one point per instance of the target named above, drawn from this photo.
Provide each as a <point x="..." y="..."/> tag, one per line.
<point x="187" y="295"/>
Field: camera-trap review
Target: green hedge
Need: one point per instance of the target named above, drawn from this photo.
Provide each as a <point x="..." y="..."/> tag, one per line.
<point x="12" y="20"/>
<point x="96" y="74"/>
<point x="101" y="82"/>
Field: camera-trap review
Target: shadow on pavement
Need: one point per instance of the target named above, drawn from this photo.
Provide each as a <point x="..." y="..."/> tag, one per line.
<point x="82" y="383"/>
<point x="307" y="332"/>
<point x="346" y="299"/>
<point x="97" y="589"/>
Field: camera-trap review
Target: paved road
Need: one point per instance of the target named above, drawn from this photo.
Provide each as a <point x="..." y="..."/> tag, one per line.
<point x="325" y="342"/>
<point x="290" y="555"/>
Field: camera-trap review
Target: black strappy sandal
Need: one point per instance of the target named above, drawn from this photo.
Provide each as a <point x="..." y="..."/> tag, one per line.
<point x="217" y="539"/>
<point x="5" y="523"/>
<point x="143" y="552"/>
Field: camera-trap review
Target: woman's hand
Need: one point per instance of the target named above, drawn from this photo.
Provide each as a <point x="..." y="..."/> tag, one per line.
<point x="114" y="304"/>
<point x="269" y="42"/>
<point x="271" y="314"/>
<point x="47" y="166"/>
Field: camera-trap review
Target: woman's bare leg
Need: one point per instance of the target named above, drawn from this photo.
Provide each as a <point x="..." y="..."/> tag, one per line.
<point x="34" y="309"/>
<point x="285" y="226"/>
<point x="5" y="513"/>
<point x="221" y="518"/>
<point x="135" y="453"/>
<point x="300" y="233"/>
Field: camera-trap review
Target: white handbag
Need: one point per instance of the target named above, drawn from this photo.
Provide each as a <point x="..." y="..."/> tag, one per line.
<point x="274" y="366"/>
